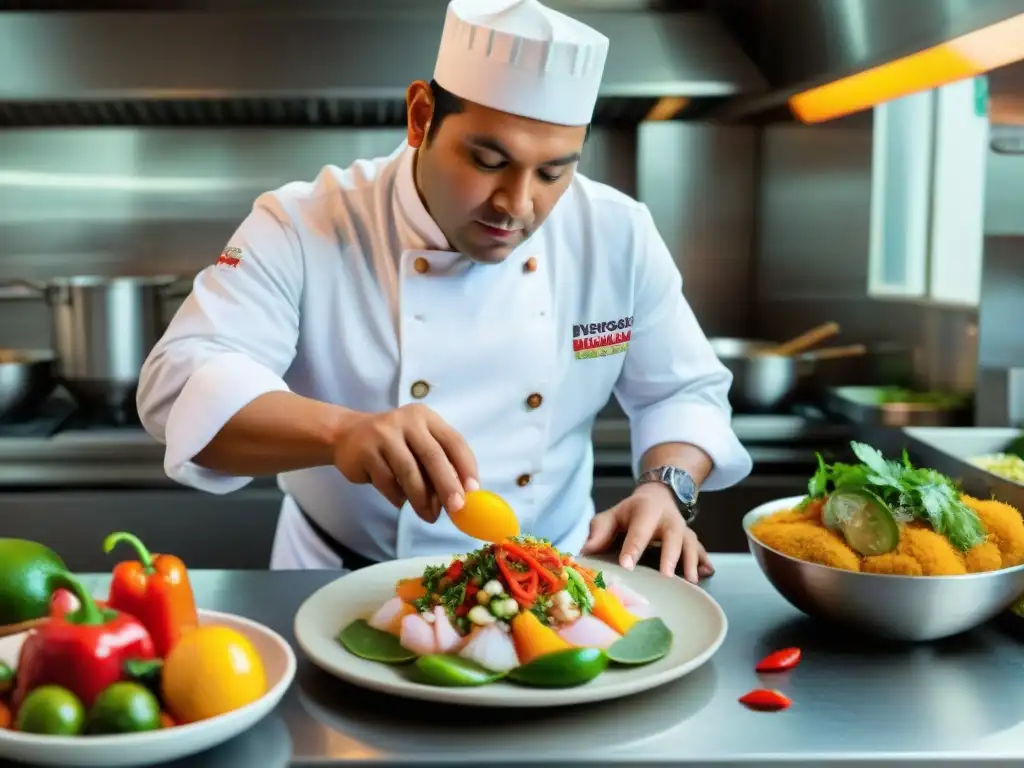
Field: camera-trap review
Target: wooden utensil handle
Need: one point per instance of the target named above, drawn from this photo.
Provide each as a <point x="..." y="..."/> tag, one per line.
<point x="833" y="353"/>
<point x="807" y="340"/>
<point x="14" y="629"/>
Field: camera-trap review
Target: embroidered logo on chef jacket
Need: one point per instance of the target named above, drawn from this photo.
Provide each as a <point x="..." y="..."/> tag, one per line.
<point x="610" y="337"/>
<point x="229" y="257"/>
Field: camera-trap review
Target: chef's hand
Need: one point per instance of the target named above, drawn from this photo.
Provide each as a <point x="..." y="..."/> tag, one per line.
<point x="650" y="514"/>
<point x="409" y="454"/>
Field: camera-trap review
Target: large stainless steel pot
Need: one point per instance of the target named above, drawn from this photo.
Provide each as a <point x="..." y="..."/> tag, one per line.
<point x="764" y="380"/>
<point x="27" y="377"/>
<point x="103" y="329"/>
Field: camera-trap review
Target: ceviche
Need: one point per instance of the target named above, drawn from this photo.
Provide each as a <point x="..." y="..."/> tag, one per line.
<point x="518" y="609"/>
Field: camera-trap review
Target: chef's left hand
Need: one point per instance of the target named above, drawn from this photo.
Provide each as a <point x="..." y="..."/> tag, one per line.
<point x="650" y="514"/>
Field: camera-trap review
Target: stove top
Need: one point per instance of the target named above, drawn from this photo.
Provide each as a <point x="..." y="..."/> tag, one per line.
<point x="60" y="415"/>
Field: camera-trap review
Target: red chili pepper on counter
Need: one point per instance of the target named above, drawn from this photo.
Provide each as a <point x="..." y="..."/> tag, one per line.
<point x="780" y="661"/>
<point x="766" y="700"/>
<point x="83" y="650"/>
<point x="154" y="589"/>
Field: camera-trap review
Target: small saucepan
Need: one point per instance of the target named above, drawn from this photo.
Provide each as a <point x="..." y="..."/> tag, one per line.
<point x="27" y="378"/>
<point x="764" y="380"/>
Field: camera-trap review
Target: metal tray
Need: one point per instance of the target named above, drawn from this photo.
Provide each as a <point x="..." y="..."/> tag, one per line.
<point x="860" y="405"/>
<point x="950" y="450"/>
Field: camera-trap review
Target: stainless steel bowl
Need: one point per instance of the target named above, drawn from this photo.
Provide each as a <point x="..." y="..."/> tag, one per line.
<point x="908" y="608"/>
<point x="27" y="377"/>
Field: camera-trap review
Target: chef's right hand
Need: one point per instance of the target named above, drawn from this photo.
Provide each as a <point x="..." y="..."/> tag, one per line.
<point x="409" y="454"/>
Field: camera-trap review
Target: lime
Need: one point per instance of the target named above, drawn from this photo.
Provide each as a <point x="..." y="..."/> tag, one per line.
<point x="562" y="669"/>
<point x="864" y="519"/>
<point x="373" y="644"/>
<point x="646" y="641"/>
<point x="124" y="708"/>
<point x="6" y="678"/>
<point x="145" y="672"/>
<point x="449" y="670"/>
<point x="26" y="580"/>
<point x="51" y="710"/>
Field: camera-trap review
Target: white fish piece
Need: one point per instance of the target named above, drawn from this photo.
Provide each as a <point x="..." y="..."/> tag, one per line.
<point x="492" y="649"/>
<point x="588" y="632"/>
<point x="627" y="596"/>
<point x="417" y="635"/>
<point x="385" y="616"/>
<point x="448" y="640"/>
<point x="642" y="610"/>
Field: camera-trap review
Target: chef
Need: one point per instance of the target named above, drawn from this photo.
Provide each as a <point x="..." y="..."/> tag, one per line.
<point x="397" y="333"/>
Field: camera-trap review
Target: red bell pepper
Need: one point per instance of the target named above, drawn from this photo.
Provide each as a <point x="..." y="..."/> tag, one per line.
<point x="83" y="650"/>
<point x="62" y="601"/>
<point x="780" y="661"/>
<point x="766" y="700"/>
<point x="154" y="589"/>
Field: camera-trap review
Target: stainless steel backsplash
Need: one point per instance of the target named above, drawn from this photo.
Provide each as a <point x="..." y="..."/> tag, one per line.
<point x="813" y="228"/>
<point x="155" y="201"/>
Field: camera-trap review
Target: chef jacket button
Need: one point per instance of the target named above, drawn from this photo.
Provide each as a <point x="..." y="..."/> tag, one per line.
<point x="523" y="480"/>
<point x="534" y="401"/>
<point x="421" y="265"/>
<point x="530" y="265"/>
<point x="419" y="389"/>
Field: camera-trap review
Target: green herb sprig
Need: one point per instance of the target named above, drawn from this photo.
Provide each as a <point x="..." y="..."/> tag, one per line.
<point x="910" y="492"/>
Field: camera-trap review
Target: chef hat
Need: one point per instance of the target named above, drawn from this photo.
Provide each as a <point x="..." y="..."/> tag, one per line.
<point x="520" y="57"/>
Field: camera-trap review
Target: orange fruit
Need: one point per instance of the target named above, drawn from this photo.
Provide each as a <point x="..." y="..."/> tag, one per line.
<point x="486" y="516"/>
<point x="211" y="671"/>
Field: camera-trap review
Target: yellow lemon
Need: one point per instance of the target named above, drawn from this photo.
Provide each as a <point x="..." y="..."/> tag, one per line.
<point x="211" y="671"/>
<point x="486" y="516"/>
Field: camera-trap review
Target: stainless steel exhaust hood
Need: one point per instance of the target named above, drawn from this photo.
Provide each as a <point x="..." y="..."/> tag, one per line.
<point x="348" y="62"/>
<point x="802" y="44"/>
<point x="311" y="67"/>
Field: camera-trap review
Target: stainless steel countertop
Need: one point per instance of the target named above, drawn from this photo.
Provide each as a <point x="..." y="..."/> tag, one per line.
<point x="130" y="457"/>
<point x="856" y="701"/>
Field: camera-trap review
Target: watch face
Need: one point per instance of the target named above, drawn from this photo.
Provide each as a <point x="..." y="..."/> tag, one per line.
<point x="684" y="487"/>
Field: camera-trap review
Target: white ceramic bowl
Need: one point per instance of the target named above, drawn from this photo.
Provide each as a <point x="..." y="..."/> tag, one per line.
<point x="908" y="608"/>
<point x="158" y="746"/>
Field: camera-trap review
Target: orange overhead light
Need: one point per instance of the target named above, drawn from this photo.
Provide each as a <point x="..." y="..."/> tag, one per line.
<point x="667" y="108"/>
<point x="971" y="55"/>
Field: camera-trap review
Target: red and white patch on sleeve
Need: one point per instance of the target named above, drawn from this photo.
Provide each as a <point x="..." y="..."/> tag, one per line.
<point x="229" y="257"/>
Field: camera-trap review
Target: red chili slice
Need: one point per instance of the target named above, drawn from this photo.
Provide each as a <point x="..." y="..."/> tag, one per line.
<point x="521" y="585"/>
<point x="766" y="700"/>
<point x="780" y="661"/>
<point x="454" y="570"/>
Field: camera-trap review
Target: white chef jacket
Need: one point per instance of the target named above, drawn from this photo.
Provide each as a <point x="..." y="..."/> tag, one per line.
<point x="344" y="290"/>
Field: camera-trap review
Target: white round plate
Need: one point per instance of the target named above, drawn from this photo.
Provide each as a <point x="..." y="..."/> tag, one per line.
<point x="164" y="745"/>
<point x="697" y="622"/>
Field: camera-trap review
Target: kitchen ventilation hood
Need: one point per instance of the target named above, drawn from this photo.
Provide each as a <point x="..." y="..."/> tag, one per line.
<point x="348" y="66"/>
<point x="798" y="45"/>
<point x="348" y="62"/>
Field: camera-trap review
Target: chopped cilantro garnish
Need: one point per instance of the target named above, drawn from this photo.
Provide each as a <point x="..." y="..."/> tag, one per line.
<point x="432" y="576"/>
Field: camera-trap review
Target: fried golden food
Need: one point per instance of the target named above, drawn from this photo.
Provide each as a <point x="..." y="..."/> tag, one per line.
<point x="932" y="551"/>
<point x="984" y="557"/>
<point x="921" y="551"/>
<point x="892" y="564"/>
<point x="807" y="541"/>
<point x="1005" y="528"/>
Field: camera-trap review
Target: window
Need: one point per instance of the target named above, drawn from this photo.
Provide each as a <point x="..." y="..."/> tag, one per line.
<point x="927" y="197"/>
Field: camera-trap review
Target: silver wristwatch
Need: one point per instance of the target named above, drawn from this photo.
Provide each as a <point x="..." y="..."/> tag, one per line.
<point x="680" y="482"/>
